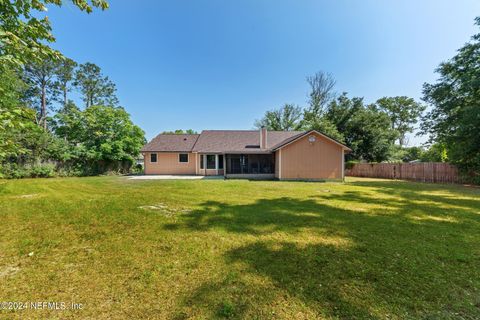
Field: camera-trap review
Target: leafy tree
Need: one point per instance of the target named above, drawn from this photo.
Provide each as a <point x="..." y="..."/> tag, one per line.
<point x="24" y="34"/>
<point x="110" y="137"/>
<point x="454" y="119"/>
<point x="96" y="89"/>
<point x="413" y="153"/>
<point x="369" y="134"/>
<point x="326" y="127"/>
<point x="181" y="131"/>
<point x="406" y="154"/>
<point x="287" y="118"/>
<point x="40" y="77"/>
<point x="436" y="153"/>
<point x="403" y="111"/>
<point x="341" y="110"/>
<point x="68" y="123"/>
<point x="64" y="74"/>
<point x="13" y="114"/>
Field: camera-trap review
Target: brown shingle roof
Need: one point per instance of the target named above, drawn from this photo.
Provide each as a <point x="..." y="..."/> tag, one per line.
<point x="171" y="143"/>
<point x="237" y="141"/>
<point x="222" y="141"/>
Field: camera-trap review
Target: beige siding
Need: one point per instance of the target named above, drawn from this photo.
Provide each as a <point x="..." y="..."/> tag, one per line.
<point x="167" y="163"/>
<point x="302" y="159"/>
<point x="277" y="163"/>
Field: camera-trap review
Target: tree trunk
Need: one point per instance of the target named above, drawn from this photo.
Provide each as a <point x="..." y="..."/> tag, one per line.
<point x="43" y="112"/>
<point x="64" y="95"/>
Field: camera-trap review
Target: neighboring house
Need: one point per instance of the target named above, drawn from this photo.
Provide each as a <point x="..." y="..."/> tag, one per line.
<point x="285" y="155"/>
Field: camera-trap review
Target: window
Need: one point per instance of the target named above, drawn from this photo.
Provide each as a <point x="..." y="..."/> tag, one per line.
<point x="183" y="157"/>
<point x="153" y="157"/>
<point x="201" y="161"/>
<point x="220" y="161"/>
<point x="210" y="161"/>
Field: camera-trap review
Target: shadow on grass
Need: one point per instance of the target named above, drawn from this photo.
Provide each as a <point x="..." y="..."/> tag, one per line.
<point x="388" y="264"/>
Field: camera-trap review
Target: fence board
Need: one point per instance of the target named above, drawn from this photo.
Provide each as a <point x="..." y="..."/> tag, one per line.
<point x="435" y="172"/>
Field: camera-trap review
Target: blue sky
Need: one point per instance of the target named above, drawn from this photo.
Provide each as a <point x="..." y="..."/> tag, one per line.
<point x="220" y="64"/>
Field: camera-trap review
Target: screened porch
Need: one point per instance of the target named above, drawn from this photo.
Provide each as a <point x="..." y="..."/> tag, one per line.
<point x="250" y="164"/>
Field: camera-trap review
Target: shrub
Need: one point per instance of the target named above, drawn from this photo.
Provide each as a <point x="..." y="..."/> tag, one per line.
<point x="137" y="169"/>
<point x="13" y="171"/>
<point x="42" y="171"/>
<point x="350" y="164"/>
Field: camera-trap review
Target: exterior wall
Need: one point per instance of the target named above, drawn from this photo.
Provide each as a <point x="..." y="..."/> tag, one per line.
<point x="304" y="160"/>
<point x="167" y="163"/>
<point x="277" y="164"/>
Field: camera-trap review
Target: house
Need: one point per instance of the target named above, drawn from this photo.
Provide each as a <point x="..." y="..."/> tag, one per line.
<point x="261" y="154"/>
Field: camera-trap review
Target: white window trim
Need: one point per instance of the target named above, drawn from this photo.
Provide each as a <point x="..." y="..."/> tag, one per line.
<point x="188" y="158"/>
<point x="156" y="157"/>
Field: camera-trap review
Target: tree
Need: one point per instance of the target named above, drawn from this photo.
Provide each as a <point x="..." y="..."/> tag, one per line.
<point x="326" y="127"/>
<point x="406" y="154"/>
<point x="13" y="114"/>
<point x="437" y="152"/>
<point x="69" y="123"/>
<point x="64" y="74"/>
<point x="100" y="137"/>
<point x="321" y="93"/>
<point x="96" y="89"/>
<point x="24" y="34"/>
<point x="454" y="119"/>
<point x="403" y="111"/>
<point x="341" y="110"/>
<point x="181" y="131"/>
<point x="110" y="136"/>
<point x="40" y="77"/>
<point x="321" y="90"/>
<point x="413" y="153"/>
<point x="287" y="118"/>
<point x="369" y="135"/>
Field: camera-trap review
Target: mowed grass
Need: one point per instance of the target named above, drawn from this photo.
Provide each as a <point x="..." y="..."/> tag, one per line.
<point x="124" y="249"/>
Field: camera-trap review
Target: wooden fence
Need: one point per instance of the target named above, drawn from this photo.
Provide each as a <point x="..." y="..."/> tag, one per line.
<point x="436" y="172"/>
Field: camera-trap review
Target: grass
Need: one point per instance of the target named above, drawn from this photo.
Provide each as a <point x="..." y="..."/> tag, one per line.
<point x="366" y="249"/>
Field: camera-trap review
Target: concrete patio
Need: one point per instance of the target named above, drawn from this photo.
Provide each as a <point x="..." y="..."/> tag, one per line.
<point x="174" y="177"/>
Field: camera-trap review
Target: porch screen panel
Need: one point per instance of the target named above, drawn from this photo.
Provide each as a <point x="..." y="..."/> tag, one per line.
<point x="250" y="163"/>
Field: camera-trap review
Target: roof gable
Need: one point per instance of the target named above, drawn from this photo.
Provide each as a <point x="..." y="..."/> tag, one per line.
<point x="303" y="134"/>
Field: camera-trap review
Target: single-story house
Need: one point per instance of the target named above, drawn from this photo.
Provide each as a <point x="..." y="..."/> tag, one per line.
<point x="285" y="155"/>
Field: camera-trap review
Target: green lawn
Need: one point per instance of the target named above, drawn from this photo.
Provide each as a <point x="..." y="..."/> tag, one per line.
<point x="365" y="249"/>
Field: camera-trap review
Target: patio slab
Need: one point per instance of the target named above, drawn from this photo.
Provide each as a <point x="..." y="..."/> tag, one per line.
<point x="174" y="177"/>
